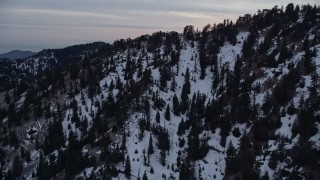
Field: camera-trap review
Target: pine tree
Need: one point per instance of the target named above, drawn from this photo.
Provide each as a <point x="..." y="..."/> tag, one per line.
<point x="17" y="167"/>
<point x="127" y="170"/>
<point x="231" y="151"/>
<point x="175" y="105"/>
<point x="181" y="127"/>
<point x="140" y="66"/>
<point x="194" y="144"/>
<point x="145" y="177"/>
<point x="147" y="75"/>
<point x="40" y="168"/>
<point x="188" y="32"/>
<point x="142" y="125"/>
<point x="167" y="113"/>
<point x="163" y="157"/>
<point x="173" y="84"/>
<point x="12" y="116"/>
<point x="202" y="51"/>
<point x="150" y="147"/>
<point x="187" y="80"/>
<point x="186" y="172"/>
<point x="111" y="86"/>
<point x="291" y="14"/>
<point x="158" y="117"/>
<point x="199" y="173"/>
<point x="163" y="78"/>
<point x="55" y="138"/>
<point x="185" y="91"/>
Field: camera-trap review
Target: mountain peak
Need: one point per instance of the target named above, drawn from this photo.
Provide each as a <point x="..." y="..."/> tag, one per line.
<point x="17" y="54"/>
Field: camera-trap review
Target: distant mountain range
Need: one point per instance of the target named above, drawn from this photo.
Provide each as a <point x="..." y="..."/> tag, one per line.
<point x="16" y="70"/>
<point x="17" y="54"/>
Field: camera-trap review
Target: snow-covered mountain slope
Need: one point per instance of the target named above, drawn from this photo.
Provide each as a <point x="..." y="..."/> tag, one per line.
<point x="235" y="101"/>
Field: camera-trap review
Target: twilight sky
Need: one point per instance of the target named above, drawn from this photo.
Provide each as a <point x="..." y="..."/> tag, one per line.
<point x="38" y="24"/>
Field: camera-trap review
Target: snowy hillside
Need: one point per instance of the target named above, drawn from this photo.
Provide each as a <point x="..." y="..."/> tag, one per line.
<point x="234" y="101"/>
